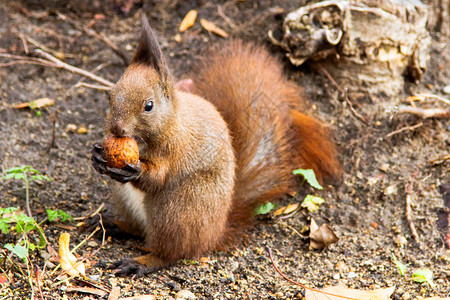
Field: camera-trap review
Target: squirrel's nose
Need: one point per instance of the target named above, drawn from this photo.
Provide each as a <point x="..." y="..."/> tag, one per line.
<point x="118" y="128"/>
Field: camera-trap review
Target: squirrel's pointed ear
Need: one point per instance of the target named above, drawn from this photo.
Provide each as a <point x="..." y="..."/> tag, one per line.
<point x="149" y="52"/>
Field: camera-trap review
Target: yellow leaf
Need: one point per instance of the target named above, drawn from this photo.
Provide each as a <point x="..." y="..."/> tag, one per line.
<point x="343" y="291"/>
<point x="213" y="28"/>
<point x="285" y="210"/>
<point x="67" y="260"/>
<point x="188" y="21"/>
<point x="38" y="103"/>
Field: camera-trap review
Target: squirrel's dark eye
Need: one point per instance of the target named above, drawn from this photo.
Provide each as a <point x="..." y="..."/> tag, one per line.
<point x="148" y="106"/>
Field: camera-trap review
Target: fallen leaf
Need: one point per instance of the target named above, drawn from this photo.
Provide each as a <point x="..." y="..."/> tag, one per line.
<point x="82" y="130"/>
<point x="213" y="28"/>
<point x="184" y="294"/>
<point x="115" y="293"/>
<point x="38" y="103"/>
<point x="423" y="275"/>
<point x="343" y="291"/>
<point x="285" y="210"/>
<point x="140" y="297"/>
<point x="86" y="290"/>
<point x="322" y="236"/>
<point x="311" y="203"/>
<point x="188" y="21"/>
<point x="67" y="260"/>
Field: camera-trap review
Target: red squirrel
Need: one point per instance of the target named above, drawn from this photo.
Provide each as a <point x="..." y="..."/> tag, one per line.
<point x="208" y="157"/>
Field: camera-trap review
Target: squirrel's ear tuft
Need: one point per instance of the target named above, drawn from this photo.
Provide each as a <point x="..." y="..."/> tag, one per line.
<point x="148" y="52"/>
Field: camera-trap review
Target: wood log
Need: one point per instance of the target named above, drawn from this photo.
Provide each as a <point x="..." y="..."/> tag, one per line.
<point x="369" y="45"/>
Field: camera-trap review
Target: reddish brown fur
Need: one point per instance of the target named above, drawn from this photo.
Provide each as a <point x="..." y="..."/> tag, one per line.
<point x="248" y="87"/>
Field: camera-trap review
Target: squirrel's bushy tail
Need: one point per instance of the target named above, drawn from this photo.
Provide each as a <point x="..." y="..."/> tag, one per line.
<point x="270" y="136"/>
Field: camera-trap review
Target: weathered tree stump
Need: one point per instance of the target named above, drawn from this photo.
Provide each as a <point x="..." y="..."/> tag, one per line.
<point x="366" y="46"/>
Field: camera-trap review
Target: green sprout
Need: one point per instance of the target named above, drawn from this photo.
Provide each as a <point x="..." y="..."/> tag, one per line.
<point x="27" y="174"/>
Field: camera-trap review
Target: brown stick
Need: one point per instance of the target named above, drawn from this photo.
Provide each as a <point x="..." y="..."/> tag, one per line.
<point x="411" y="128"/>
<point x="425" y="113"/>
<point x="63" y="65"/>
<point x="409" y="212"/>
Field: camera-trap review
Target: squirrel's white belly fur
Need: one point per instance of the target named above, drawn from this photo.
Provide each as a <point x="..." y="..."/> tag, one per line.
<point x="133" y="200"/>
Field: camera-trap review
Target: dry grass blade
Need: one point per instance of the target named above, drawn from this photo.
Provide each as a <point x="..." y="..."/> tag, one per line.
<point x="213" y="28"/>
<point x="188" y="21"/>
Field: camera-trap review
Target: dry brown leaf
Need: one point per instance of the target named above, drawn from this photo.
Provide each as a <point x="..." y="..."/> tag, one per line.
<point x="285" y="210"/>
<point x="38" y="103"/>
<point x="322" y="236"/>
<point x="86" y="290"/>
<point x="213" y="28"/>
<point x="67" y="260"/>
<point x="188" y="21"/>
<point x="115" y="293"/>
<point x="141" y="297"/>
<point x="341" y="290"/>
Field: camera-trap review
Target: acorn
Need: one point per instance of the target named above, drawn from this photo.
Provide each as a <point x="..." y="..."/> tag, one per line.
<point x="118" y="151"/>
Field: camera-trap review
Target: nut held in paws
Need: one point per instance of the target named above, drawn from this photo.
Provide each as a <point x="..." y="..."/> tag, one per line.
<point x="118" y="151"/>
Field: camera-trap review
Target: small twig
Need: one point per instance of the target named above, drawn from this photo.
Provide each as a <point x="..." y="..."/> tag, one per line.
<point x="53" y="119"/>
<point x="409" y="212"/>
<point x="299" y="284"/>
<point x="45" y="48"/>
<point x="425" y="113"/>
<point x="63" y="65"/>
<point x="92" y="86"/>
<point x="25" y="60"/>
<point x="24" y="42"/>
<point x="410" y="128"/>
<point x="92" y="214"/>
<point x="420" y="97"/>
<point x="347" y="99"/>
<point x="38" y="281"/>
<point x="220" y="11"/>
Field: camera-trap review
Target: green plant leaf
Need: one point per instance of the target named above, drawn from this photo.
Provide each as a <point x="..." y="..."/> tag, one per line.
<point x="54" y="215"/>
<point x="4" y="227"/>
<point x="309" y="176"/>
<point x="18" y="250"/>
<point x="311" y="203"/>
<point x="31" y="246"/>
<point x="15" y="170"/>
<point x="423" y="275"/>
<point x="40" y="177"/>
<point x="25" y="223"/>
<point x="265" y="208"/>
<point x="400" y="266"/>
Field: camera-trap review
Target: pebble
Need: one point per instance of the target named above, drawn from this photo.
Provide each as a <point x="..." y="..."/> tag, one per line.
<point x="94" y="277"/>
<point x="341" y="266"/>
<point x="400" y="241"/>
<point x="184" y="294"/>
<point x="234" y="266"/>
<point x="447" y="90"/>
<point x="71" y="128"/>
<point x="352" y="275"/>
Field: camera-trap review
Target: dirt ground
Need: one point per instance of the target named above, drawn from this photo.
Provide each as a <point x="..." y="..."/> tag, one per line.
<point x="367" y="209"/>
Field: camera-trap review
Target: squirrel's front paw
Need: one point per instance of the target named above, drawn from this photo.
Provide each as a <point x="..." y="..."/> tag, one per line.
<point x="128" y="267"/>
<point x="128" y="173"/>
